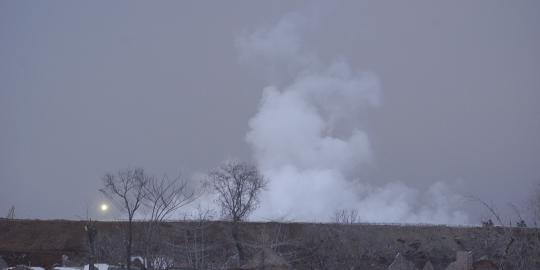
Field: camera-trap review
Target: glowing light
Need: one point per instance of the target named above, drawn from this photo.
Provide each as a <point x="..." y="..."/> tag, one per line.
<point x="104" y="207"/>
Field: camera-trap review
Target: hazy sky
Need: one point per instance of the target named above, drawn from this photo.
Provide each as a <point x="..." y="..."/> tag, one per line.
<point x="92" y="87"/>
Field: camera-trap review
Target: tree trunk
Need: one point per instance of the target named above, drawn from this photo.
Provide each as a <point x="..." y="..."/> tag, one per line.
<point x="91" y="235"/>
<point x="238" y="244"/>
<point x="128" y="247"/>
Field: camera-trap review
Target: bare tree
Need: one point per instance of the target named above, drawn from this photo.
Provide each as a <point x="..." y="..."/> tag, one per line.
<point x="492" y="211"/>
<point x="505" y="243"/>
<point x="238" y="185"/>
<point x="163" y="197"/>
<point x="127" y="189"/>
<point x="11" y="213"/>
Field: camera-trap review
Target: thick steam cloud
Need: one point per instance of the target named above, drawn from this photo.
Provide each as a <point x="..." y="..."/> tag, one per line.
<point x="307" y="140"/>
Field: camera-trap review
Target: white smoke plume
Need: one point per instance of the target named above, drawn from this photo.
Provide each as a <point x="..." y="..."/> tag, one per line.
<point x="310" y="166"/>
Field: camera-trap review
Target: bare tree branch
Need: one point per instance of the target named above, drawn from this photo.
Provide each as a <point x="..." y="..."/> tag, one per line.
<point x="164" y="196"/>
<point x="238" y="185"/>
<point x="127" y="189"/>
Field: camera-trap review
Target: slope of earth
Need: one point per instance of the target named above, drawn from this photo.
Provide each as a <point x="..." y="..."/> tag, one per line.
<point x="303" y="245"/>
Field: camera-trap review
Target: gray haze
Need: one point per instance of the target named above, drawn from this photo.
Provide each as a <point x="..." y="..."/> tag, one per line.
<point x="87" y="88"/>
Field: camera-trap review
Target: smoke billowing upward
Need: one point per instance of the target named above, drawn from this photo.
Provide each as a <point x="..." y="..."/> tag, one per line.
<point x="307" y="139"/>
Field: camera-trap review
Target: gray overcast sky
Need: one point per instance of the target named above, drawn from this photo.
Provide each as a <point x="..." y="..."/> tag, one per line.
<point x="91" y="87"/>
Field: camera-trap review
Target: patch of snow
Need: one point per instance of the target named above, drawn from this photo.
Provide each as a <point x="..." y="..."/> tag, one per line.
<point x="99" y="266"/>
<point x="29" y="267"/>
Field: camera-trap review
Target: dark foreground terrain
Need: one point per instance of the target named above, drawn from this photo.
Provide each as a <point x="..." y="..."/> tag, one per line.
<point x="208" y="245"/>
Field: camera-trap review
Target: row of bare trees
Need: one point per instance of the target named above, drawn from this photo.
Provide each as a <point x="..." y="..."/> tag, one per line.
<point x="237" y="186"/>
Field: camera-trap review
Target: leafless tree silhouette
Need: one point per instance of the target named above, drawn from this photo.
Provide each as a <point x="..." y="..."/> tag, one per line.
<point x="127" y="189"/>
<point x="238" y="185"/>
<point x="163" y="197"/>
